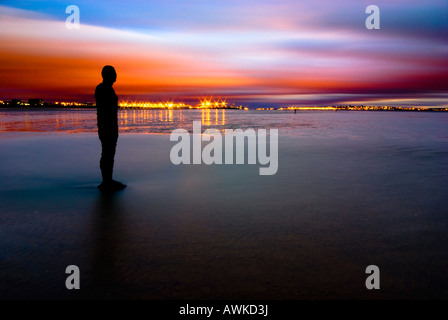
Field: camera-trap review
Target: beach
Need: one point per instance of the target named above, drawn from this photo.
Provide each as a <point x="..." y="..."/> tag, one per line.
<point x="352" y="189"/>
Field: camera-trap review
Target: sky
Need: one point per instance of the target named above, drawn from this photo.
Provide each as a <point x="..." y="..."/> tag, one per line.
<point x="264" y="52"/>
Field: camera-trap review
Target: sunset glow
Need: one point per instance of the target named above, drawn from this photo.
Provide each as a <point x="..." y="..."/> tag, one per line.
<point x="270" y="52"/>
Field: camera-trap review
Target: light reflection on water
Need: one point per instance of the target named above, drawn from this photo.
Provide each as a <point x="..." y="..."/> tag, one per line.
<point x="131" y="120"/>
<point x="355" y="125"/>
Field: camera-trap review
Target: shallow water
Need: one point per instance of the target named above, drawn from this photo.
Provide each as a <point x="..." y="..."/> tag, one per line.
<point x="352" y="189"/>
<point x="373" y="125"/>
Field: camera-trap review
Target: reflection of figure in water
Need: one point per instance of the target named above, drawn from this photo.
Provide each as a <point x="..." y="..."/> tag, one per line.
<point x="105" y="276"/>
<point x="107" y="107"/>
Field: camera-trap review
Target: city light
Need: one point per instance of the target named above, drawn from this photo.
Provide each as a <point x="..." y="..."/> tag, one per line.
<point x="208" y="103"/>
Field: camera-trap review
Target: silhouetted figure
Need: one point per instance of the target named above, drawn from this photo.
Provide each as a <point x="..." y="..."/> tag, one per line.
<point x="107" y="107"/>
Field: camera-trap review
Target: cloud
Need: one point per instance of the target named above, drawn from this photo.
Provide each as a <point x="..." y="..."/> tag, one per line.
<point x="245" y="54"/>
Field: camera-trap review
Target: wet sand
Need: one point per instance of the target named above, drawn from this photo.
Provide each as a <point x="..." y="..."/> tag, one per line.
<point x="222" y="231"/>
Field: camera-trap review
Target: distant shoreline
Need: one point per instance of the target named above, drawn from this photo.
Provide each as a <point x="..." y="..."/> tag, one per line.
<point x="291" y="109"/>
<point x="39" y="104"/>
